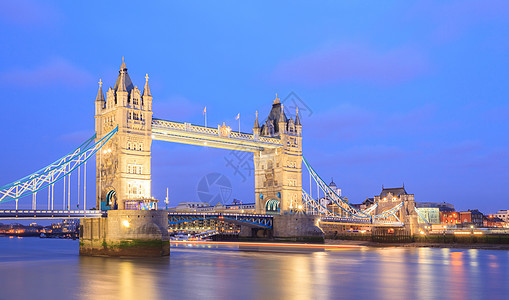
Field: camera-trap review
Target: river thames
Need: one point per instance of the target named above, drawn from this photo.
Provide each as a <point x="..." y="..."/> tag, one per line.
<point x="33" y="268"/>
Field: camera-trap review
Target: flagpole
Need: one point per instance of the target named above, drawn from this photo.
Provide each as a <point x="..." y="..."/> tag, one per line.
<point x="238" y="118"/>
<point x="205" y="114"/>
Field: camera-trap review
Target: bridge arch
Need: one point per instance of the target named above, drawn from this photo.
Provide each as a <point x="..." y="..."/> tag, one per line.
<point x="110" y="200"/>
<point x="272" y="206"/>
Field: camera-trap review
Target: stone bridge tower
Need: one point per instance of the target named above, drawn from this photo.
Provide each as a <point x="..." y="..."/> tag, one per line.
<point x="123" y="164"/>
<point x="278" y="172"/>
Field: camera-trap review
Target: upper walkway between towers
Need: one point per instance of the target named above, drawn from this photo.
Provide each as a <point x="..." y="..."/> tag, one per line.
<point x="221" y="137"/>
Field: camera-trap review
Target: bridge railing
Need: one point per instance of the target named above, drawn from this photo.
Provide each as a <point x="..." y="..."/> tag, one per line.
<point x="188" y="127"/>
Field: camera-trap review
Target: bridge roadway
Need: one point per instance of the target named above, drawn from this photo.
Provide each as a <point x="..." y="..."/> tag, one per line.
<point x="266" y="221"/>
<point x="51" y="214"/>
<point x="252" y="220"/>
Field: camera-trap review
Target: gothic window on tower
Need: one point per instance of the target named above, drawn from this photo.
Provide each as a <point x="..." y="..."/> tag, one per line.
<point x="132" y="169"/>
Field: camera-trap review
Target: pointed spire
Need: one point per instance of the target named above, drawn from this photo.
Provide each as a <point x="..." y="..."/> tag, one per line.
<point x="123" y="67"/>
<point x="146" y="90"/>
<point x="297" y="119"/>
<point x="100" y="95"/>
<point x="121" y="82"/>
<point x="281" y="114"/>
<point x="256" y="124"/>
<point x="276" y="101"/>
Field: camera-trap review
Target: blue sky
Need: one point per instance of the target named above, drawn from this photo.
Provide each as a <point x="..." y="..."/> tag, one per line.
<point x="400" y="92"/>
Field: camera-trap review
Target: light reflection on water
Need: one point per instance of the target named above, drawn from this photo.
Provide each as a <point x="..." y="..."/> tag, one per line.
<point x="32" y="268"/>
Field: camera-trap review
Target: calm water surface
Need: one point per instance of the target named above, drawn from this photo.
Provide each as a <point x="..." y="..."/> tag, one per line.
<point x="33" y="268"/>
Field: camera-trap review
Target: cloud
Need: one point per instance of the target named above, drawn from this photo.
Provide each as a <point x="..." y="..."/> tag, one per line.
<point x="57" y="71"/>
<point x="352" y="63"/>
<point x="28" y="13"/>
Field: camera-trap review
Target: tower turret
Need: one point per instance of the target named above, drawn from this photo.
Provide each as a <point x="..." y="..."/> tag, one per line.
<point x="256" y="126"/>
<point x="120" y="86"/>
<point x="298" y="125"/>
<point x="147" y="96"/>
<point x="99" y="100"/>
<point x="282" y="121"/>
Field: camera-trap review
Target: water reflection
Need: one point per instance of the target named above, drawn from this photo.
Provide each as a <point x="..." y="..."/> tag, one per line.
<point x="33" y="269"/>
<point x="425" y="280"/>
<point x="119" y="277"/>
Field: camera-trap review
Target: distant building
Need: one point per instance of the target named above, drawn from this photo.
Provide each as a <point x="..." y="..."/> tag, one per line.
<point x="327" y="202"/>
<point x="430" y="214"/>
<point x="502" y="214"/>
<point x="431" y="211"/>
<point x="70" y="225"/>
<point x="334" y="187"/>
<point x="365" y="204"/>
<point x="190" y="206"/>
<point x="472" y="217"/>
<point x="442" y="206"/>
<point x="56" y="227"/>
<point x="450" y="218"/>
<point x="492" y="221"/>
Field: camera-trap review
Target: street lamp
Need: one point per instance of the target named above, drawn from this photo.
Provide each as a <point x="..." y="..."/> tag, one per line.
<point x="167" y="200"/>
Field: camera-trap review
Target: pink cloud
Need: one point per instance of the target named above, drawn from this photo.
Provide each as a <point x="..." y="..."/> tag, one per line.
<point x="349" y="63"/>
<point x="56" y="71"/>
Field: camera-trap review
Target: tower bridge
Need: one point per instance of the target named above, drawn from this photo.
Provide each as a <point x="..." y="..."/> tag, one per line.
<point x="124" y="131"/>
<point x="124" y="168"/>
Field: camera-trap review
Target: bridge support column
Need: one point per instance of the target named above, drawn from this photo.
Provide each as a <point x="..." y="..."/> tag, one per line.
<point x="302" y="228"/>
<point x="126" y="233"/>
